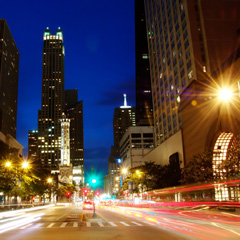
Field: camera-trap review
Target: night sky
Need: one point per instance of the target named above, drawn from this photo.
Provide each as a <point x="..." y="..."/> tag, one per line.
<point x="99" y="62"/>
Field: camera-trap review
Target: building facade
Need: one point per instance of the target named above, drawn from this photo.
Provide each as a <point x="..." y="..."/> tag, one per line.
<point x="144" y="114"/>
<point x="9" y="70"/>
<point x="187" y="41"/>
<point x="136" y="143"/>
<point x="124" y="117"/>
<point x="49" y="129"/>
<point x="74" y="111"/>
<point x="32" y="144"/>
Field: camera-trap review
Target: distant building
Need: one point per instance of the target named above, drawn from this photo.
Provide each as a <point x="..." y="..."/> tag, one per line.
<point x="187" y="41"/>
<point x="74" y="111"/>
<point x="32" y="144"/>
<point x="123" y="118"/>
<point x="49" y="130"/>
<point x="9" y="69"/>
<point x="136" y="142"/>
<point x="144" y="114"/>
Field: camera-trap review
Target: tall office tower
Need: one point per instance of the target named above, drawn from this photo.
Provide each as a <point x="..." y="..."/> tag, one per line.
<point x="74" y="111"/>
<point x="123" y="118"/>
<point x="187" y="39"/>
<point x="32" y="144"/>
<point x="144" y="112"/>
<point x="9" y="65"/>
<point x="49" y="128"/>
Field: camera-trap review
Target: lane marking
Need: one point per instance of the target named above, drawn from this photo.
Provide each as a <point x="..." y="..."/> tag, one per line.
<point x="63" y="225"/>
<point x="113" y="224"/>
<point x="26" y="226"/>
<point x="137" y="223"/>
<point x="50" y="225"/>
<point x="88" y="224"/>
<point x="124" y="223"/>
<point x="75" y="224"/>
<point x="230" y="230"/>
<point x="149" y="223"/>
<point x="100" y="224"/>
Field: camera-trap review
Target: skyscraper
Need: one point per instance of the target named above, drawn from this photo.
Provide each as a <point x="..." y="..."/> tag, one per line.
<point x="49" y="130"/>
<point x="74" y="111"/>
<point x="123" y="118"/>
<point x="144" y="112"/>
<point x="9" y="69"/>
<point x="32" y="144"/>
<point x="187" y="40"/>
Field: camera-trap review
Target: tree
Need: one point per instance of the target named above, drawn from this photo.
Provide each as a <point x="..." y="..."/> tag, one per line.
<point x="15" y="177"/>
<point x="198" y="169"/>
<point x="63" y="191"/>
<point x="152" y="176"/>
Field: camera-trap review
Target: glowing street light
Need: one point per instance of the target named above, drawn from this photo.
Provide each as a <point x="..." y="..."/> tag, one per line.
<point x="124" y="170"/>
<point x="225" y="94"/>
<point x="8" y="164"/>
<point x="49" y="180"/>
<point x="25" y="165"/>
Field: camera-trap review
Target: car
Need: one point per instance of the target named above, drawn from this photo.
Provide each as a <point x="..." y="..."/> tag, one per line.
<point x="87" y="204"/>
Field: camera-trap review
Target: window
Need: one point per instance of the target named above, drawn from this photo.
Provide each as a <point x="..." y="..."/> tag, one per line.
<point x="136" y="135"/>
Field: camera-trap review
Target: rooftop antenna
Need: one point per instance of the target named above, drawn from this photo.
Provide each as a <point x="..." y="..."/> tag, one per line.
<point x="125" y="101"/>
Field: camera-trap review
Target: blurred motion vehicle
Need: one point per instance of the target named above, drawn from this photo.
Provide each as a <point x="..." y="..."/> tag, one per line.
<point x="87" y="204"/>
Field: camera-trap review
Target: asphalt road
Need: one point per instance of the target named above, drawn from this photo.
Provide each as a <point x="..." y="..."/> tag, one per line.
<point x="114" y="223"/>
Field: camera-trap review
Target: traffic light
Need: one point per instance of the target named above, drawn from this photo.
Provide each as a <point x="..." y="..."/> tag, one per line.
<point x="68" y="194"/>
<point x="98" y="193"/>
<point x="94" y="180"/>
<point x="85" y="191"/>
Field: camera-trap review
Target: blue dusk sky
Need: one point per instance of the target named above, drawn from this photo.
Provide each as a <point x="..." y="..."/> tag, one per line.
<point x="99" y="44"/>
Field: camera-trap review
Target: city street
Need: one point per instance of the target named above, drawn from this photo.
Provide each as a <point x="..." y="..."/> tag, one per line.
<point x="71" y="222"/>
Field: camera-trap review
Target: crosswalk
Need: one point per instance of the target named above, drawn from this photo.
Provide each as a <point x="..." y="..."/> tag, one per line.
<point x="50" y="225"/>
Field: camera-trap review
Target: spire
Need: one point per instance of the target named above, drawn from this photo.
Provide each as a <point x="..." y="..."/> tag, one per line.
<point x="125" y="101"/>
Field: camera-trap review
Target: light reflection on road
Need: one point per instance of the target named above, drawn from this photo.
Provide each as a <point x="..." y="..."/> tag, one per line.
<point x="196" y="223"/>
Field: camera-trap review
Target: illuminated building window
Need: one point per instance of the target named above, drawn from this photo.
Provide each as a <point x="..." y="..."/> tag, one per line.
<point x="220" y="151"/>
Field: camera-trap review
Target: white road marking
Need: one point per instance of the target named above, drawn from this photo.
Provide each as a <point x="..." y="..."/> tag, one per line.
<point x="137" y="223"/>
<point x="113" y="224"/>
<point x="124" y="223"/>
<point x="63" y="225"/>
<point x="100" y="224"/>
<point x="75" y="224"/>
<point x="149" y="223"/>
<point x="26" y="226"/>
<point x="50" y="225"/>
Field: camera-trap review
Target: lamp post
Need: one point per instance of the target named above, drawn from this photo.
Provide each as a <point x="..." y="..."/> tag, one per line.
<point x="49" y="181"/>
<point x="94" y="211"/>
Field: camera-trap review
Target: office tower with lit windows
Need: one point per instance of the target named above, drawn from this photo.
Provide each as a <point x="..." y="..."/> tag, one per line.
<point x="74" y="112"/>
<point x="32" y="144"/>
<point x="187" y="40"/>
<point x="9" y="70"/>
<point x="144" y="112"/>
<point x="52" y="107"/>
<point x="124" y="117"/>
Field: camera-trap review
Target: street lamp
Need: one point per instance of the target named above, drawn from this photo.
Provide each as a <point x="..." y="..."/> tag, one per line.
<point x="8" y="164"/>
<point x="225" y="94"/>
<point x="25" y="165"/>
